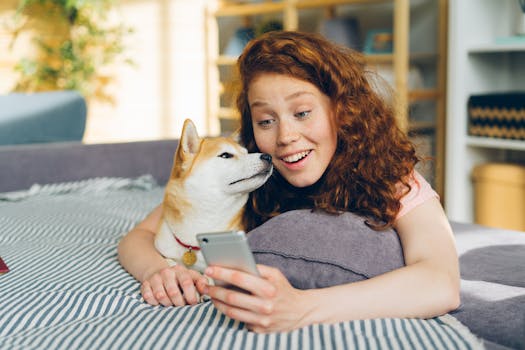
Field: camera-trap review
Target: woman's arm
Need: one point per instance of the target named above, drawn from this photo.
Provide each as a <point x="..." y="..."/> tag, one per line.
<point x="136" y="250"/>
<point x="161" y="284"/>
<point x="427" y="286"/>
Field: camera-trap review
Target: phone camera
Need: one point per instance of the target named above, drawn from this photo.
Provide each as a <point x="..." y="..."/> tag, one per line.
<point x="205" y="240"/>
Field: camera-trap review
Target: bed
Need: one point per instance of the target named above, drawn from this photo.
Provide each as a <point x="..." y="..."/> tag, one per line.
<point x="65" y="206"/>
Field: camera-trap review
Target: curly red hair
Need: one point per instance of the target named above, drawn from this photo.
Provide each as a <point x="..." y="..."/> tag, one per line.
<point x="373" y="155"/>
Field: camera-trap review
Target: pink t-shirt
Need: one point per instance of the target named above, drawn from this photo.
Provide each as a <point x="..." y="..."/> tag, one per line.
<point x="420" y="192"/>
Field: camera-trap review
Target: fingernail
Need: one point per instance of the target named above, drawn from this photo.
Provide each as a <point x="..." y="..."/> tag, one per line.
<point x="208" y="271"/>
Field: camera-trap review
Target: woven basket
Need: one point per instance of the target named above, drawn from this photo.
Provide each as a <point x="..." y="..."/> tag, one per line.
<point x="497" y="115"/>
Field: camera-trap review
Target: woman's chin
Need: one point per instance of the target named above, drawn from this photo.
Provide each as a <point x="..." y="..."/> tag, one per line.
<point x="301" y="181"/>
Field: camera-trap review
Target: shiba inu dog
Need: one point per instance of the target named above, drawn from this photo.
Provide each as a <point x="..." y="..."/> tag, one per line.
<point x="206" y="192"/>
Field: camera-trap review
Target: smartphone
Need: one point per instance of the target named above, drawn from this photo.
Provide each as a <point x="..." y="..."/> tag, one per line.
<point x="228" y="249"/>
<point x="3" y="267"/>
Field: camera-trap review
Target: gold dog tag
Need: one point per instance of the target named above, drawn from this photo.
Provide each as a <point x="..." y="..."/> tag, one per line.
<point x="189" y="258"/>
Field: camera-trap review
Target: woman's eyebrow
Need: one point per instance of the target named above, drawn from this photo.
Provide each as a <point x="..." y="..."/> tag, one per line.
<point x="287" y="98"/>
<point x="297" y="94"/>
<point x="258" y="104"/>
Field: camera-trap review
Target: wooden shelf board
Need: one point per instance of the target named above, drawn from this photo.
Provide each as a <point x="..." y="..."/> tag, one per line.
<point x="488" y="142"/>
<point x="248" y="9"/>
<point x="423" y="94"/>
<point x="420" y="125"/>
<point x="379" y="58"/>
<point x="423" y="56"/>
<point x="303" y="4"/>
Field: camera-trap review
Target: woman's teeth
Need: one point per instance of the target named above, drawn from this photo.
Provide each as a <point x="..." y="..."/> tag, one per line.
<point x="296" y="157"/>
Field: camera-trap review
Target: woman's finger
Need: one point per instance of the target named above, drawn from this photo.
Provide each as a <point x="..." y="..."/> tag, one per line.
<point x="159" y="292"/>
<point x="147" y="294"/>
<point x="172" y="288"/>
<point x="241" y="300"/>
<point x="246" y="316"/>
<point x="251" y="283"/>
<point x="187" y="286"/>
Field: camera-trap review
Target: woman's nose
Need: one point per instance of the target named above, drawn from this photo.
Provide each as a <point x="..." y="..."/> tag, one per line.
<point x="287" y="133"/>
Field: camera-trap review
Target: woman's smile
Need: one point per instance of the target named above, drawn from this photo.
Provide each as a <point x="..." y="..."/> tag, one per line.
<point x="296" y="158"/>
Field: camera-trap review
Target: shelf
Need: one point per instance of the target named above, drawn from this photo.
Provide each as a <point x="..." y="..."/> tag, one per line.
<point x="304" y="4"/>
<point x="484" y="57"/>
<point x="423" y="94"/>
<point x="497" y="48"/>
<point x="415" y="126"/>
<point x="247" y="9"/>
<point x="487" y="142"/>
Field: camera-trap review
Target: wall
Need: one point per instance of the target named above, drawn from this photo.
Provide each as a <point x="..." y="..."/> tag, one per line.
<point x="165" y="86"/>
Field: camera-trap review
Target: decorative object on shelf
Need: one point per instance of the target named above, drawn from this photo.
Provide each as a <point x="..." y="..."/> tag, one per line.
<point x="344" y="31"/>
<point x="517" y="37"/>
<point x="499" y="115"/>
<point x="76" y="45"/>
<point x="379" y="41"/>
<point x="268" y="26"/>
<point x="520" y="19"/>
<point x="496" y="183"/>
<point x="238" y="41"/>
<point x="243" y="35"/>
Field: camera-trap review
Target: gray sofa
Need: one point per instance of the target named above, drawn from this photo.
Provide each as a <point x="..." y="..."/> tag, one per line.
<point x="23" y="165"/>
<point x="492" y="260"/>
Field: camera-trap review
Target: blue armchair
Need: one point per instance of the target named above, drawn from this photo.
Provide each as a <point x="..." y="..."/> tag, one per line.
<point x="42" y="117"/>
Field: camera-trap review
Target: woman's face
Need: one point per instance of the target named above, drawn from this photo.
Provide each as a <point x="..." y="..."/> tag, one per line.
<point x="293" y="121"/>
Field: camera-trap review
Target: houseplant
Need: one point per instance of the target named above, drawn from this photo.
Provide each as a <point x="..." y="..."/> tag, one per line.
<point x="76" y="43"/>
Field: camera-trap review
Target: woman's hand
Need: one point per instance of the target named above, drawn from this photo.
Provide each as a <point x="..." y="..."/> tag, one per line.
<point x="272" y="305"/>
<point x="173" y="286"/>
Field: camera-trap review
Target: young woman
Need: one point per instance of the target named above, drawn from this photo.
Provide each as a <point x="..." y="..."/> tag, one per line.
<point x="335" y="146"/>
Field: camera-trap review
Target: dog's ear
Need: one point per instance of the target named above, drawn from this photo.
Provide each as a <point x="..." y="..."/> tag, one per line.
<point x="189" y="145"/>
<point x="189" y="140"/>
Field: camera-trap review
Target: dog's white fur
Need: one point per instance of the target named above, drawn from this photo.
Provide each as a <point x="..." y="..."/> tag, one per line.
<point x="207" y="191"/>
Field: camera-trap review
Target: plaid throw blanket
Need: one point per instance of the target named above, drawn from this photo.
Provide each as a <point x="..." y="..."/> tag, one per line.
<point x="66" y="289"/>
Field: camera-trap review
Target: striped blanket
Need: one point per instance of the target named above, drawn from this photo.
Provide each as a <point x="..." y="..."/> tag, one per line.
<point x="66" y="289"/>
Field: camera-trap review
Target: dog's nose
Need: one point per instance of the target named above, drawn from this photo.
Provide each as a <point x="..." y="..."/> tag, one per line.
<point x="266" y="157"/>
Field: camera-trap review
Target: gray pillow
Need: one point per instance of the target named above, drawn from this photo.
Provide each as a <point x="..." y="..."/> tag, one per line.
<point x="317" y="250"/>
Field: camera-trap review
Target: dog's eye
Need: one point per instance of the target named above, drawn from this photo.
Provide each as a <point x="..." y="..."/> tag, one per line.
<point x="226" y="155"/>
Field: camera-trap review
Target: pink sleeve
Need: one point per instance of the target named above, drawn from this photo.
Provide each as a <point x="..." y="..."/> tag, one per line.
<point x="420" y="192"/>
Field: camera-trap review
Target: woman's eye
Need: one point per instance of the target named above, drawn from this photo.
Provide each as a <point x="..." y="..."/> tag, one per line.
<point x="226" y="155"/>
<point x="302" y="114"/>
<point x="265" y="123"/>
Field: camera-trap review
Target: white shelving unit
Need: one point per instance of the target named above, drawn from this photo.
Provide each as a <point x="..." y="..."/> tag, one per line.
<point x="478" y="64"/>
